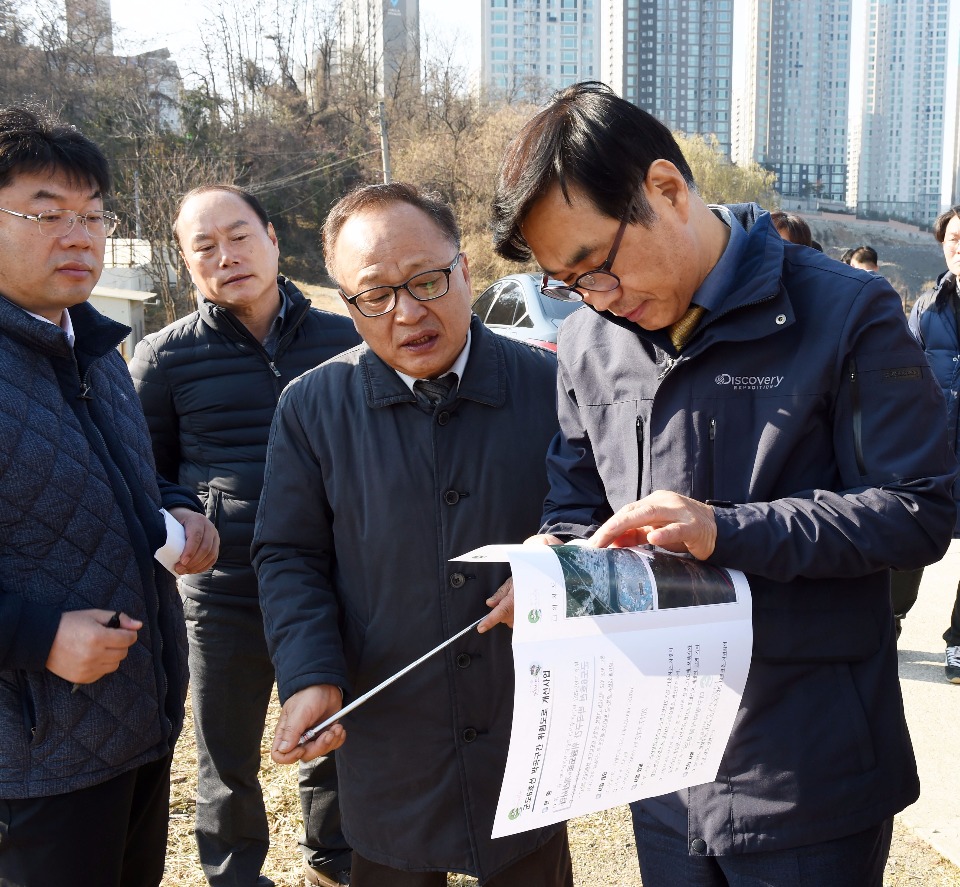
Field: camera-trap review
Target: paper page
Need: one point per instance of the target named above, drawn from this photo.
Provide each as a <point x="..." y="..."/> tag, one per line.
<point x="169" y="553"/>
<point x="630" y="665"/>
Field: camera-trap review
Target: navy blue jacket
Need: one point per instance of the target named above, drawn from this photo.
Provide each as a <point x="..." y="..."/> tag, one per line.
<point x="798" y="407"/>
<point x="366" y="499"/>
<point x="933" y="321"/>
<point x="79" y="523"/>
<point x="209" y="391"/>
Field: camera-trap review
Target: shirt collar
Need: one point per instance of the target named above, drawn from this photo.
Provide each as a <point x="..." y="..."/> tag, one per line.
<point x="66" y="324"/>
<point x="459" y="365"/>
<point x="272" y="339"/>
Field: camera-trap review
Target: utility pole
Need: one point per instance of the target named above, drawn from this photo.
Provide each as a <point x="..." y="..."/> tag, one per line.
<point x="384" y="145"/>
<point x="136" y="201"/>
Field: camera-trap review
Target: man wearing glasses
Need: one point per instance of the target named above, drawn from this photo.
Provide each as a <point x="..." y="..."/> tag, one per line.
<point x="754" y="404"/>
<point x="384" y="464"/>
<point x="93" y="670"/>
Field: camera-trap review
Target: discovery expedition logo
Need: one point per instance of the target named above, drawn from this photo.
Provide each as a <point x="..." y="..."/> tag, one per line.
<point x="749" y="383"/>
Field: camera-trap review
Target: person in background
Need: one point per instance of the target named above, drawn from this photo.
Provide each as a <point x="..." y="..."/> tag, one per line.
<point x="209" y="384"/>
<point x="935" y="321"/>
<point x="93" y="670"/>
<point x="744" y="400"/>
<point x="385" y="463"/>
<point x="792" y="228"/>
<point x="865" y="258"/>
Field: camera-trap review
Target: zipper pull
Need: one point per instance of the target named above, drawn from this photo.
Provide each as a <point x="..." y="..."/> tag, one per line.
<point x="666" y="368"/>
<point x="273" y="367"/>
<point x="85" y="390"/>
<point x="713" y="429"/>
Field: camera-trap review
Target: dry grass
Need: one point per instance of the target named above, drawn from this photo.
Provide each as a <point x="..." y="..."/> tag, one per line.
<point x="602" y="843"/>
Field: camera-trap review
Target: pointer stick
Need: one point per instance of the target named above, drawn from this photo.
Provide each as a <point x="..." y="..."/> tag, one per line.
<point x="313" y="732"/>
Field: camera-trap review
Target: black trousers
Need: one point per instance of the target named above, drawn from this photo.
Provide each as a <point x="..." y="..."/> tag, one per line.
<point x="109" y="835"/>
<point x="231" y="679"/>
<point x="548" y="866"/>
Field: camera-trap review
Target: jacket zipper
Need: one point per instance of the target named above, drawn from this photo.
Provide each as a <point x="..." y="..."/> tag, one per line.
<point x="85" y="394"/>
<point x="857" y="416"/>
<point x="712" y="458"/>
<point x="639" y="458"/>
<point x="29" y="710"/>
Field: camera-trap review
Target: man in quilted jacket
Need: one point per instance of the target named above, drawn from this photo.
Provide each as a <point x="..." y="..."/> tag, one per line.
<point x="93" y="665"/>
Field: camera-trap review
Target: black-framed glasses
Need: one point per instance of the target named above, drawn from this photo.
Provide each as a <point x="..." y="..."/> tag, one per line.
<point x="60" y="222"/>
<point x="424" y="287"/>
<point x="600" y="280"/>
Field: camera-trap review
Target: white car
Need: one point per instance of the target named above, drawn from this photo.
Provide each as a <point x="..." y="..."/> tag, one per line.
<point x="514" y="306"/>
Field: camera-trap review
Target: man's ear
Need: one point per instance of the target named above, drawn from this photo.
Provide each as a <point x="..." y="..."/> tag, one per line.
<point x="666" y="187"/>
<point x="272" y="234"/>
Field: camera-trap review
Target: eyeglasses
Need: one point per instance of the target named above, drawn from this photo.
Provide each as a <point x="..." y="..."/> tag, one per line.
<point x="60" y="222"/>
<point x="424" y="287"/>
<point x="600" y="280"/>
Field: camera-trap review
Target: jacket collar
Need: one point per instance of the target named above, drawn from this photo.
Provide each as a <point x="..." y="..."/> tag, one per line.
<point x="95" y="334"/>
<point x="946" y="287"/>
<point x="223" y="321"/>
<point x="484" y="380"/>
<point x="760" y="270"/>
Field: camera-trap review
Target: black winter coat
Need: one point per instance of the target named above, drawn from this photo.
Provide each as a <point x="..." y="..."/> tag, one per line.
<point x="367" y="497"/>
<point x="79" y="523"/>
<point x="209" y="391"/>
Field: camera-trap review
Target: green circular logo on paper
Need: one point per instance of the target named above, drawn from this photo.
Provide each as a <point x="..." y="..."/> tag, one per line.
<point x="533" y="616"/>
<point x="514" y="813"/>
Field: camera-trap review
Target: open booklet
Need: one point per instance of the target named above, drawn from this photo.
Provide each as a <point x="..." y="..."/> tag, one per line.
<point x="630" y="665"/>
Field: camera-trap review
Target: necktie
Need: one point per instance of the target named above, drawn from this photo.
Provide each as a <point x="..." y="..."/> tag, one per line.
<point x="434" y="391"/>
<point x="684" y="328"/>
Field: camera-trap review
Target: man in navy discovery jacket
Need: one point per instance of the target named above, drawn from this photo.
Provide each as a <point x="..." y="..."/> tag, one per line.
<point x="755" y="404"/>
<point x="93" y="669"/>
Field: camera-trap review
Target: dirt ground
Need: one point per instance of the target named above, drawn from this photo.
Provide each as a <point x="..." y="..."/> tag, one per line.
<point x="602" y="844"/>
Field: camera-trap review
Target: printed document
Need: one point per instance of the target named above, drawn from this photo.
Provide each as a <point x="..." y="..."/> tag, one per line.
<point x="630" y="665"/>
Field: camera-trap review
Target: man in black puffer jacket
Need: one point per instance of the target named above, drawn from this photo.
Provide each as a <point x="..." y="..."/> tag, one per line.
<point x="93" y="670"/>
<point x="209" y="384"/>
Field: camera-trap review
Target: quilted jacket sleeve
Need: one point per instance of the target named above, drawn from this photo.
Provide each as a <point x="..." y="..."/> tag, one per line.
<point x="27" y="631"/>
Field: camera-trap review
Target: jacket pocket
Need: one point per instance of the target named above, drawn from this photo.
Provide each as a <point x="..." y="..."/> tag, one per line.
<point x="212" y="505"/>
<point x="29" y="709"/>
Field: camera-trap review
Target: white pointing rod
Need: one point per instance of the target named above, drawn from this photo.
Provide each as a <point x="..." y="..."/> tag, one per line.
<point x="313" y="732"/>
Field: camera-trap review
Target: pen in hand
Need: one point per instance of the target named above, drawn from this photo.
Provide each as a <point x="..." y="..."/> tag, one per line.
<point x="112" y="622"/>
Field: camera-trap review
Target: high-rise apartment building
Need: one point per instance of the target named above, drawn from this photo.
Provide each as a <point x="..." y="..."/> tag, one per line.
<point x="381" y="38"/>
<point x="905" y="146"/>
<point x="673" y="58"/>
<point x="532" y="47"/>
<point x="792" y="104"/>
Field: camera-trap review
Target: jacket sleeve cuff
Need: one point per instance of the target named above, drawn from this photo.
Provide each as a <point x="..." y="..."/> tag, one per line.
<point x="27" y="631"/>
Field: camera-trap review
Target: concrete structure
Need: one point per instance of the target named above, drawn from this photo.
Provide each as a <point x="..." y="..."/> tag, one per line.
<point x="905" y="142"/>
<point x="124" y="306"/>
<point x="530" y="48"/>
<point x="793" y="99"/>
<point x="673" y="58"/>
<point x="380" y="42"/>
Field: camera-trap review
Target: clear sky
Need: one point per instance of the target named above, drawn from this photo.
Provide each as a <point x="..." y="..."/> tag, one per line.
<point x="141" y="25"/>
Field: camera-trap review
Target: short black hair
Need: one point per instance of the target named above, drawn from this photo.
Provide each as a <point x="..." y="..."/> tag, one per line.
<point x="792" y="228"/>
<point x="848" y="255"/>
<point x="940" y="225"/>
<point x="590" y="139"/>
<point x="32" y="140"/>
<point x="865" y="254"/>
<point x="376" y="196"/>
<point x="245" y="196"/>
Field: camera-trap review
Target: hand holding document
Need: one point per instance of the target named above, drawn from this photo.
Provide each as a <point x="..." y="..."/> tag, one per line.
<point x="169" y="553"/>
<point x="630" y="665"/>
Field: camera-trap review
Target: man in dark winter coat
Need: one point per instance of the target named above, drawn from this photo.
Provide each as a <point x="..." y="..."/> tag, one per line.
<point x="935" y="321"/>
<point x="754" y="404"/>
<point x="424" y="443"/>
<point x="209" y="384"/>
<point x="93" y="670"/>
